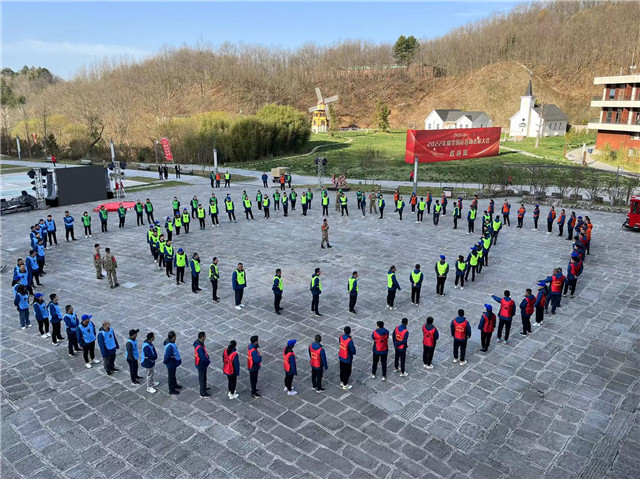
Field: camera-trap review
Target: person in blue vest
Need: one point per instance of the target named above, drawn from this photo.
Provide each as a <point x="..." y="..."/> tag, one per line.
<point x="415" y="278"/>
<point x="392" y="287"/>
<point x="461" y="332"/>
<point x="536" y="217"/>
<point x="316" y="291"/>
<point x="55" y="315"/>
<point x="51" y="230"/>
<point x="148" y="357"/>
<point x="380" y="349"/>
<point x="254" y="361"/>
<point x="21" y="301"/>
<point x="202" y="362"/>
<point x="68" y="226"/>
<point x="108" y="344"/>
<point x="505" y="315"/>
<point x="86" y="334"/>
<point x="40" y="257"/>
<point x="42" y="315"/>
<point x="318" y="360"/>
<point x="486" y="326"/>
<point x="400" y="339"/>
<point x="430" y="337"/>
<point x="353" y="289"/>
<point x="23" y="277"/>
<point x="264" y="180"/>
<point x="561" y="221"/>
<point x="345" y="355"/>
<point x="172" y="360"/>
<point x="574" y="269"/>
<point x="42" y="230"/>
<point x="290" y="369"/>
<point x="131" y="354"/>
<point x="33" y="268"/>
<point x="527" y="308"/>
<point x="71" y="322"/>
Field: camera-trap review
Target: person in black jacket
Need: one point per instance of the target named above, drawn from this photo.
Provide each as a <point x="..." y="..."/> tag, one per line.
<point x="172" y="361"/>
<point x="202" y="363"/>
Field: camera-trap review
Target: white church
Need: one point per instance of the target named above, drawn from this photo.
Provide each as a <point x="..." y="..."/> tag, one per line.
<point x="547" y="119"/>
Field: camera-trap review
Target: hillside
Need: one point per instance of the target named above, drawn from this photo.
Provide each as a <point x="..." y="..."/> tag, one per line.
<point x="482" y="66"/>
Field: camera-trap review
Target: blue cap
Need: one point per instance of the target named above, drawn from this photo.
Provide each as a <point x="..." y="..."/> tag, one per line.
<point x="291" y="342"/>
<point x="150" y="227"/>
<point x="442" y="256"/>
<point x="168" y="217"/>
<point x="579" y="217"/>
<point x="184" y="209"/>
<point x="575" y="255"/>
<point x="156" y="222"/>
<point x="459" y="197"/>
<point x="537" y="206"/>
<point x="542" y="283"/>
<point x="86" y="316"/>
<point x="38" y="295"/>
<point x="474" y="248"/>
<point x="488" y="307"/>
<point x="180" y="250"/>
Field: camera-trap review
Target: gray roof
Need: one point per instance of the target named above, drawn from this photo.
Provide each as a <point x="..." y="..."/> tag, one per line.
<point x="551" y="112"/>
<point x="455" y="115"/>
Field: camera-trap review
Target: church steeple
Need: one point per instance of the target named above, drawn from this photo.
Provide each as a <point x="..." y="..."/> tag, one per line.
<point x="529" y="91"/>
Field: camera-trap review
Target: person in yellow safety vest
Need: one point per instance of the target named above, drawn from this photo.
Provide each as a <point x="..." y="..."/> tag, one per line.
<point x="392" y="287"/>
<point x="353" y="289"/>
<point x="316" y="291"/>
<point x="214" y="276"/>
<point x="213" y="212"/>
<point x="162" y="244"/>
<point x="194" y="206"/>
<point x="472" y="261"/>
<point x="157" y="229"/>
<point x="381" y="205"/>
<point x="495" y="229"/>
<point x="266" y="202"/>
<point x="247" y="208"/>
<point x="325" y="204"/>
<point x="422" y="205"/>
<point x="259" y="199"/>
<point x="150" y="235"/>
<point x="177" y="222"/>
<point x="194" y="266"/>
<point x="400" y="206"/>
<point x="442" y="269"/>
<point x="436" y="213"/>
<point x="168" y="258"/>
<point x="343" y="204"/>
<point x="416" y="277"/>
<point x="202" y="214"/>
<point x="238" y="283"/>
<point x="228" y="203"/>
<point x="461" y="266"/>
<point x="168" y="226"/>
<point x="104" y="216"/>
<point x="456" y="215"/>
<point x="277" y="289"/>
<point x="276" y="200"/>
<point x="227" y="180"/>
<point x="185" y="220"/>
<point x="303" y="202"/>
<point x="181" y="263"/>
<point x="471" y="219"/>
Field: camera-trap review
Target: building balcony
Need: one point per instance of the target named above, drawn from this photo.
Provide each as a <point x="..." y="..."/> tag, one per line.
<point x="612" y="125"/>
<point x="620" y="101"/>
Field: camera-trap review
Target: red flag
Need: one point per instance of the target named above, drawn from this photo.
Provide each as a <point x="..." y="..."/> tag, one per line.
<point x="35" y="139"/>
<point x="166" y="148"/>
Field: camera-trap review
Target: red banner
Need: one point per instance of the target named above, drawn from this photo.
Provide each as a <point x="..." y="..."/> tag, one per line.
<point x="166" y="149"/>
<point x="447" y="145"/>
<point x="35" y="138"/>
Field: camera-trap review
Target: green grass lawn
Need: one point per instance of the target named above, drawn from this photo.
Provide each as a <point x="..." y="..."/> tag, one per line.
<point x="6" y="169"/>
<point x="152" y="186"/>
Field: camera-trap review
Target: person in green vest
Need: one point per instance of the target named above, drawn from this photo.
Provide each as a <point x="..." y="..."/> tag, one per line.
<point x="212" y="177"/>
<point x="276" y="200"/>
<point x="157" y="229"/>
<point x="381" y="205"/>
<point x="358" y="197"/>
<point x="496" y="226"/>
<point x="461" y="267"/>
<point x="309" y="198"/>
<point x="343" y="204"/>
<point x="259" y="199"/>
<point x="122" y="213"/>
<point x="175" y="205"/>
<point x="316" y="291"/>
<point x="422" y="205"/>
<point x="292" y="197"/>
<point x="86" y="222"/>
<point x="185" y="220"/>
<point x="154" y="244"/>
<point x="181" y="263"/>
<point x="148" y="207"/>
<point x="352" y="287"/>
<point x="486" y="246"/>
<point x="325" y="204"/>
<point x="416" y="277"/>
<point x="471" y="219"/>
<point x="392" y="287"/>
<point x="442" y="269"/>
<point x="480" y="257"/>
<point x="213" y="199"/>
<point x="169" y="258"/>
<point x="285" y="204"/>
<point x="228" y="203"/>
<point x="194" y="266"/>
<point x="177" y="222"/>
<point x="400" y="207"/>
<point x="472" y="261"/>
<point x="104" y="216"/>
<point x="227" y="180"/>
<point x="139" y="208"/>
<point x="150" y="234"/>
<point x="202" y="214"/>
<point x="277" y="287"/>
<point x="303" y="202"/>
<point x="168" y="226"/>
<point x="456" y="215"/>
<point x="266" y="203"/>
<point x="214" y="276"/>
<point x="213" y="212"/>
<point x="238" y="283"/>
<point x="246" y="201"/>
<point x="194" y="207"/>
<point x="162" y="244"/>
<point x="436" y="213"/>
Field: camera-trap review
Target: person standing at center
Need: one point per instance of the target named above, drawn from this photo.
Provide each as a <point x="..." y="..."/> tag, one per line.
<point x="430" y="337"/>
<point x="86" y="334"/>
<point x="325" y="204"/>
<point x="148" y="358"/>
<point x="347" y="351"/>
<point x="97" y="261"/>
<point x="72" y="323"/>
<point x="214" y="276"/>
<point x="132" y="355"/>
<point x="380" y="338"/>
<point x="231" y="368"/>
<point x="56" y="319"/>
<point x="526" y="310"/>
<point x="461" y="332"/>
<point x="181" y="264"/>
<point x="507" y="310"/>
<point x="108" y="344"/>
<point x="318" y="361"/>
<point x="392" y="287"/>
<point x="110" y="265"/>
<point x="290" y="370"/>
<point x="400" y="338"/>
<point x="325" y="234"/>
<point x="238" y="283"/>
<point x="172" y="360"/>
<point x="194" y="266"/>
<point x="68" y="226"/>
<point x="352" y="287"/>
<point x="442" y="269"/>
<point x="202" y="363"/>
<point x="316" y="291"/>
<point x="486" y="326"/>
<point x="416" y="278"/>
<point x="254" y="361"/>
<point x="277" y="288"/>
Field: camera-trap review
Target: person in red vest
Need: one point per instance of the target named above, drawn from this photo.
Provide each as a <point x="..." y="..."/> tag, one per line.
<point x="526" y="310"/>
<point x="474" y="203"/>
<point x="487" y="326"/>
<point x="557" y="281"/>
<point x="400" y="338"/>
<point x="347" y="351"/>
<point x="254" y="361"/>
<point x="202" y="363"/>
<point x="521" y="211"/>
<point x="550" y="217"/>
<point x="430" y="336"/>
<point x="571" y="223"/>
<point x="53" y="160"/>
<point x="461" y="332"/>
<point x="506" y="209"/>
<point x="541" y="302"/>
<point x="380" y="349"/>
<point x="289" y="362"/>
<point x="506" y="313"/>
<point x="413" y="201"/>
<point x="536" y="217"/>
<point x="573" y="271"/>
<point x="231" y="367"/>
<point x="443" y="203"/>
<point x="318" y="363"/>
<point x="560" y="222"/>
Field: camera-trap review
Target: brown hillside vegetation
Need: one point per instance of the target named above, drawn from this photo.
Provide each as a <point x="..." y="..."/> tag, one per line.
<point x="481" y="66"/>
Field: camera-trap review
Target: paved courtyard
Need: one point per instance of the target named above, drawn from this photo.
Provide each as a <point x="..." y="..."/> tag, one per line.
<point x="563" y="402"/>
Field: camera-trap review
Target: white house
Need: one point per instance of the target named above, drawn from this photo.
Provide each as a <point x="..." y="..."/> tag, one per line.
<point x="547" y="119"/>
<point x="448" y="119"/>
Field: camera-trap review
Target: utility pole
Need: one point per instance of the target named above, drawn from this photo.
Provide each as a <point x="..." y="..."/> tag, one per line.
<point x="540" y="126"/>
<point x="44" y="140"/>
<point x="415" y="175"/>
<point x="614" y="193"/>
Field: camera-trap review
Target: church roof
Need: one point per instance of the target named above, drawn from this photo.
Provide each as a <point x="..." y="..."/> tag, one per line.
<point x="455" y="115"/>
<point x="551" y="112"/>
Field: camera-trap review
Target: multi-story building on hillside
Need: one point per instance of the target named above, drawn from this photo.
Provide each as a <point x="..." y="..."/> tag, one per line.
<point x="618" y="125"/>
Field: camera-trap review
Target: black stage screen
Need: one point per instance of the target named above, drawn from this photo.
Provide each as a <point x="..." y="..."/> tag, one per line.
<point x="80" y="185"/>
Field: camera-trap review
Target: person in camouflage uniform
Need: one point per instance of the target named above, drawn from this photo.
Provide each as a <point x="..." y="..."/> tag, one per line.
<point x="97" y="261"/>
<point x="110" y="265"/>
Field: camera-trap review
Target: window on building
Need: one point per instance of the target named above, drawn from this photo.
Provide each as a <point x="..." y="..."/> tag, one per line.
<point x="618" y="116"/>
<point x="612" y="92"/>
<point x="428" y="126"/>
<point x="638" y="118"/>
<point x="608" y="117"/>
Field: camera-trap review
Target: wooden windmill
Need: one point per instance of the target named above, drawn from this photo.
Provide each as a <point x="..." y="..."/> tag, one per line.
<point x="320" y="121"/>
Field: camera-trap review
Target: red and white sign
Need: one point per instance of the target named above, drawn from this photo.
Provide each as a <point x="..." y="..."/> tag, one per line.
<point x="166" y="149"/>
<point x="446" y="145"/>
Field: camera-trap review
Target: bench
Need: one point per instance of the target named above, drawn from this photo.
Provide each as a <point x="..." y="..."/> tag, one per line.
<point x="142" y="166"/>
<point x="85" y="162"/>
